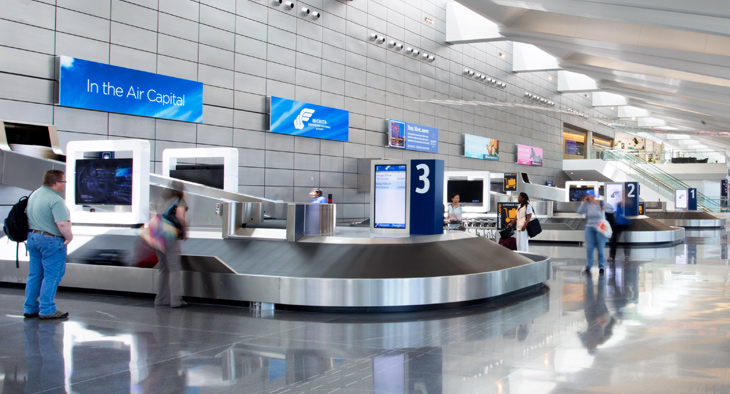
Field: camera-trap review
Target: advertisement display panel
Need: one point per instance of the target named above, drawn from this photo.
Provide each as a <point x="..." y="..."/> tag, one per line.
<point x="510" y="182"/>
<point x="680" y="199"/>
<point x="506" y="213"/>
<point x="476" y="147"/>
<point x="410" y="136"/>
<point x="308" y="120"/>
<point x="614" y="194"/>
<point x="102" y="87"/>
<point x="390" y="196"/>
<point x="529" y="155"/>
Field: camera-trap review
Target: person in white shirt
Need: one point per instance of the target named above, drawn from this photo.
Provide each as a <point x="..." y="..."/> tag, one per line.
<point x="524" y="215"/>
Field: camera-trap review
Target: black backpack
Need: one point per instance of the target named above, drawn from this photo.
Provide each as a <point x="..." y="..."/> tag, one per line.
<point x="16" y="225"/>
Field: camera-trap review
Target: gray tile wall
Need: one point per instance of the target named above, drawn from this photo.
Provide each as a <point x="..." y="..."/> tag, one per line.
<point x="244" y="50"/>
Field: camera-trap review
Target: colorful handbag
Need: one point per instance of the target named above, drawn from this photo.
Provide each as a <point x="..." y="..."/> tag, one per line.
<point x="160" y="231"/>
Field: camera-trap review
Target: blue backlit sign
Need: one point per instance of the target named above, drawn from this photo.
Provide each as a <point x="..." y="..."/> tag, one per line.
<point x="308" y="120"/>
<point x="102" y="87"/>
<point x="411" y="136"/>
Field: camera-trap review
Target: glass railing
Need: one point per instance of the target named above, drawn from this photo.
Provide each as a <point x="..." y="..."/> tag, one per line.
<point x="663" y="183"/>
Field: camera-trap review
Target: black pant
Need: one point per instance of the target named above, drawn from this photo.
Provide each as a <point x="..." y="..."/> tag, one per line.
<point x="617" y="230"/>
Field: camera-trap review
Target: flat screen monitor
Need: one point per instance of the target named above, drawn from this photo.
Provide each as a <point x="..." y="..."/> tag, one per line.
<point x="577" y="193"/>
<point x="390" y="196"/>
<point x="205" y="174"/>
<point x="470" y="192"/>
<point x="103" y="181"/>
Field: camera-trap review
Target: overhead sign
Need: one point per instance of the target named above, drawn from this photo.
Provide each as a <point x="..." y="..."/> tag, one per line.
<point x="410" y="136"/>
<point x="476" y="147"/>
<point x="308" y="120"/>
<point x="631" y="198"/>
<point x="510" y="182"/>
<point x="427" y="189"/>
<point x="529" y="155"/>
<point x="103" y="87"/>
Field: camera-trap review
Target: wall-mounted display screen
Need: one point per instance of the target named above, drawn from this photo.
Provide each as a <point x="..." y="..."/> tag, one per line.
<point x="103" y="87"/>
<point x="412" y="136"/>
<point x="470" y="192"/>
<point x="483" y="148"/>
<point x="529" y="155"/>
<point x="103" y="182"/>
<point x="577" y="193"/>
<point x="308" y="120"/>
<point x="390" y="196"/>
<point x="205" y="174"/>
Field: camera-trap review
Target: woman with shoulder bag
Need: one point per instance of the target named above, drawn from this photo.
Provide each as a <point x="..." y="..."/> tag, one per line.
<point x="524" y="215"/>
<point x="169" y="280"/>
<point x="455" y="213"/>
<point x="595" y="214"/>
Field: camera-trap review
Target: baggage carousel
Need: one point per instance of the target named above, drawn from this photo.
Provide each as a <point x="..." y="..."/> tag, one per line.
<point x="350" y="270"/>
<point x="691" y="219"/>
<point x="643" y="230"/>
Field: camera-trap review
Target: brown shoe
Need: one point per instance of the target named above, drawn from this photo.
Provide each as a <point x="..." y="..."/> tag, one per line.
<point x="57" y="315"/>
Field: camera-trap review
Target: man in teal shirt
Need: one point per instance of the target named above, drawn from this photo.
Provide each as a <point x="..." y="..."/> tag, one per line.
<point x="50" y="231"/>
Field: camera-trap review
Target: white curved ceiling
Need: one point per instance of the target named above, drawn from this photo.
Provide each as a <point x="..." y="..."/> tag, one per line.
<point x="670" y="57"/>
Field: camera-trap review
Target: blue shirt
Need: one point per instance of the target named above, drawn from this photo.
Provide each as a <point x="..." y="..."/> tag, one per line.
<point x="319" y="200"/>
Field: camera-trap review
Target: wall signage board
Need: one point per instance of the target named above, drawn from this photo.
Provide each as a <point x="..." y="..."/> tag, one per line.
<point x="510" y="182"/>
<point x="506" y="213"/>
<point x="476" y="147"/>
<point x="103" y="87"/>
<point x="427" y="189"/>
<point x="529" y="155"/>
<point x="410" y="136"/>
<point x="631" y="198"/>
<point x="308" y="120"/>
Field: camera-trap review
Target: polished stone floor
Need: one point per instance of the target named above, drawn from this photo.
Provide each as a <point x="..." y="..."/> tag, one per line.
<point x="658" y="321"/>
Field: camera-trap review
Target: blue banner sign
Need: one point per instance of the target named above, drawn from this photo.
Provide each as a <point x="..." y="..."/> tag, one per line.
<point x="411" y="136"/>
<point x="102" y="87"/>
<point x="476" y="147"/>
<point x="308" y="120"/>
<point x="692" y="199"/>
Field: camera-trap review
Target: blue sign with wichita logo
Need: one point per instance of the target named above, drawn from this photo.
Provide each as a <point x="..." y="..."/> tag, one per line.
<point x="308" y="120"/>
<point x="102" y="87"/>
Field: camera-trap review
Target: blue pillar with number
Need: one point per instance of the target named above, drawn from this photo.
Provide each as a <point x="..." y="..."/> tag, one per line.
<point x="631" y="198"/>
<point x="692" y="199"/>
<point x="427" y="197"/>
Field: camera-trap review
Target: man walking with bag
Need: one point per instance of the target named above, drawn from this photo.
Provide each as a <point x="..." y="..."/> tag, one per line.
<point x="50" y="231"/>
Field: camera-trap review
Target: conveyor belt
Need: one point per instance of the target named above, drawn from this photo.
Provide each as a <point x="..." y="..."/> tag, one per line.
<point x="691" y="219"/>
<point x="643" y="230"/>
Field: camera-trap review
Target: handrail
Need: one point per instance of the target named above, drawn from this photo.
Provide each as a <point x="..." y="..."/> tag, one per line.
<point x="651" y="173"/>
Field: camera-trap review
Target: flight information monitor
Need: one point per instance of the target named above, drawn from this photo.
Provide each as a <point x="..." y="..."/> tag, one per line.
<point x="390" y="196"/>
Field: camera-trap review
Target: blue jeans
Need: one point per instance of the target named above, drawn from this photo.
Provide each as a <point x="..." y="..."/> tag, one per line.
<point x="46" y="268"/>
<point x="594" y="240"/>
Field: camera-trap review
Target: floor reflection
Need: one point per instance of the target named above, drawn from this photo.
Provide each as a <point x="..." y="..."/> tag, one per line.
<point x="656" y="322"/>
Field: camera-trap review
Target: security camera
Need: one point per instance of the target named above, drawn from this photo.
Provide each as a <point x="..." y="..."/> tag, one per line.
<point x="478" y="76"/>
<point x="316" y="15"/>
<point x="380" y="40"/>
<point x="305" y="11"/>
<point x="391" y="44"/>
<point x="409" y="50"/>
<point x="278" y="2"/>
<point x="416" y="52"/>
<point x="432" y="58"/>
<point x="373" y="37"/>
<point x="289" y="5"/>
<point x="398" y="47"/>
